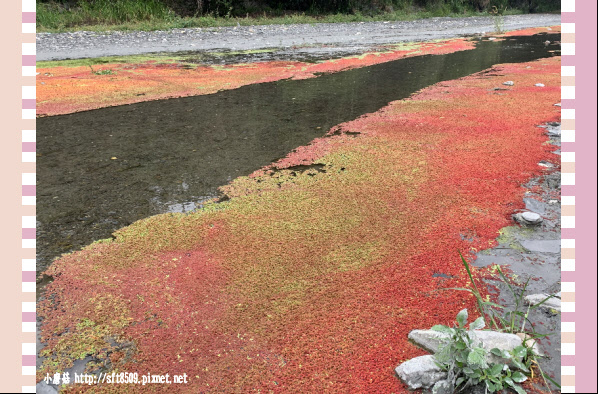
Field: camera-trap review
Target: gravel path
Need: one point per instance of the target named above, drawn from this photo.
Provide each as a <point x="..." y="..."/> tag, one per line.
<point x="342" y="37"/>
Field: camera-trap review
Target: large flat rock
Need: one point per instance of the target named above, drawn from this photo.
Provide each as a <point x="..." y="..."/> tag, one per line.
<point x="420" y="372"/>
<point x="542" y="245"/>
<point x="431" y="341"/>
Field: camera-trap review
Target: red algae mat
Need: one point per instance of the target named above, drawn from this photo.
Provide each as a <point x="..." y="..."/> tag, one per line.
<point x="533" y="30"/>
<point x="63" y="90"/>
<point x="310" y="278"/>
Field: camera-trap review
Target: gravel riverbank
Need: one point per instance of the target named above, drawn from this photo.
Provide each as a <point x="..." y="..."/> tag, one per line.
<point x="343" y="37"/>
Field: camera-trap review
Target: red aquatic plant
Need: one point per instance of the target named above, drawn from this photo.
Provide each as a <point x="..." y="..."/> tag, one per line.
<point x="533" y="30"/>
<point x="306" y="280"/>
<point x="62" y="90"/>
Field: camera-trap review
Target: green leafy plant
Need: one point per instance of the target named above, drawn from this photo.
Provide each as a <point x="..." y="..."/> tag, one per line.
<point x="512" y="320"/>
<point x="464" y="359"/>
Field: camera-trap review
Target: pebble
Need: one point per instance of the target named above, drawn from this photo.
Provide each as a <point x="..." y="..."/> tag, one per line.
<point x="531" y="217"/>
<point x="540" y="85"/>
<point x="509" y="83"/>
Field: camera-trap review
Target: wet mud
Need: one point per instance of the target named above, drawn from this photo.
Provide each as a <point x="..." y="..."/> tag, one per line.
<point x="101" y="170"/>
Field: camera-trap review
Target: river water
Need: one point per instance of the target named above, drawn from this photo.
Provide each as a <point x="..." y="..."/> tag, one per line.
<point x="171" y="155"/>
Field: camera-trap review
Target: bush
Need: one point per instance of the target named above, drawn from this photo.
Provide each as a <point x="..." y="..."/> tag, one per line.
<point x="465" y="360"/>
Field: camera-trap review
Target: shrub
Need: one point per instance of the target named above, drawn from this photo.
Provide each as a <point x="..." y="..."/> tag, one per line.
<point x="464" y="359"/>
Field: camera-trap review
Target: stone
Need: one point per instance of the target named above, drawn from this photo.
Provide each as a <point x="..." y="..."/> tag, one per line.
<point x="420" y="372"/>
<point x="531" y="217"/>
<point x="494" y="339"/>
<point x="431" y="341"/>
<point x="557" y="105"/>
<point x="542" y="245"/>
<point x="442" y="387"/>
<point x="530" y="343"/>
<point x="545" y="164"/>
<point x="428" y="340"/>
<point x="528" y="218"/>
<point x="554" y="132"/>
<point x="552" y="303"/>
<point x="509" y="83"/>
<point x="540" y="85"/>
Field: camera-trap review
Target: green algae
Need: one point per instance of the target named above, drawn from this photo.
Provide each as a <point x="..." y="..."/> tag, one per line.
<point x="86" y="337"/>
<point x="185" y="58"/>
<point x="166" y="58"/>
<point x="510" y="235"/>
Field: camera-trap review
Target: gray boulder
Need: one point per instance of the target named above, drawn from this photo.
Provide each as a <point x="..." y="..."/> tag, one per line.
<point x="531" y="217"/>
<point x="442" y="387"/>
<point x="420" y="372"/>
<point x="502" y="341"/>
<point x="431" y="341"/>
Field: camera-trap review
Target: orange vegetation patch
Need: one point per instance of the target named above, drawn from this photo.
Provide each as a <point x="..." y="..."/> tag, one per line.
<point x="309" y="280"/>
<point x="533" y="31"/>
<point x="62" y="90"/>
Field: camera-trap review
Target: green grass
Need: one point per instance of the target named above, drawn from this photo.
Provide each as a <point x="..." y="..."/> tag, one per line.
<point x="53" y="16"/>
<point x="122" y="15"/>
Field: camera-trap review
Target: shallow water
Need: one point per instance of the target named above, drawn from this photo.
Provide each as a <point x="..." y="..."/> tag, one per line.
<point x="101" y="170"/>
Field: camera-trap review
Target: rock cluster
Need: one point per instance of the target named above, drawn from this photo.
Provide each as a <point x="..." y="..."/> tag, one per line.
<point x="422" y="372"/>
